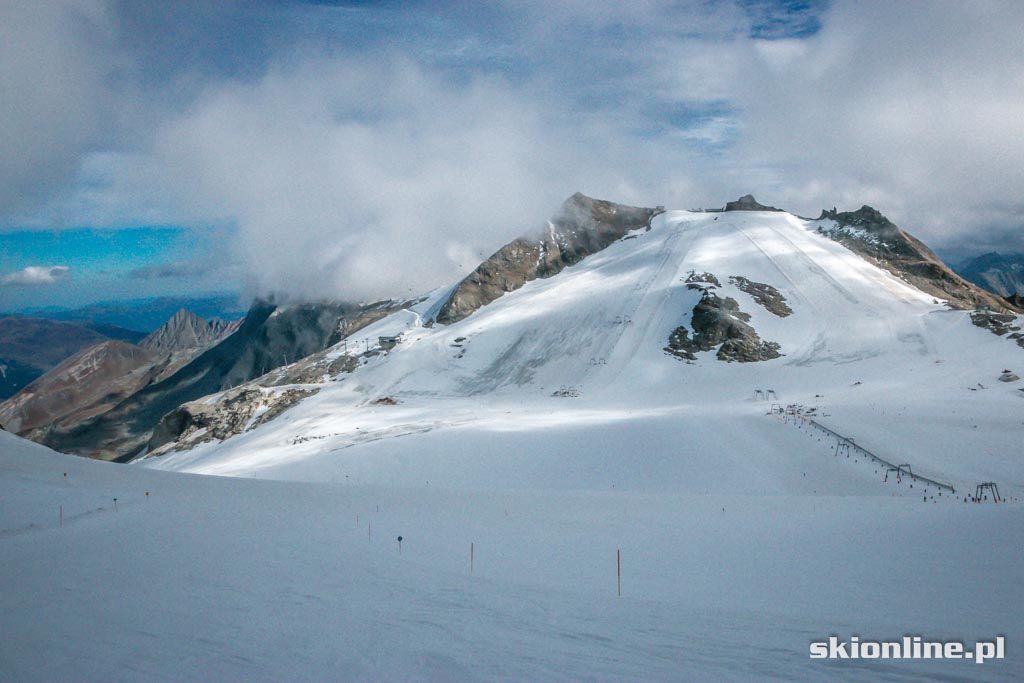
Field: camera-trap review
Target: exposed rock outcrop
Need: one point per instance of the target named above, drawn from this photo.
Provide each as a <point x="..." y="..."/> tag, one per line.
<point x="874" y="237"/>
<point x="719" y="322"/>
<point x="999" y="324"/>
<point x="748" y="203"/>
<point x="765" y="295"/>
<point x="701" y="281"/>
<point x="236" y="412"/>
<point x="583" y="227"/>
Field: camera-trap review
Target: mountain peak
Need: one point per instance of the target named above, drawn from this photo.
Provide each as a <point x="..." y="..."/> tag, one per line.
<point x="186" y="330"/>
<point x="748" y="203"/>
<point x="869" y="233"/>
<point x="583" y="226"/>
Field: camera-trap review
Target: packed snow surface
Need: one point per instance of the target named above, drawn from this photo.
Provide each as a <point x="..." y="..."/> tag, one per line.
<point x="550" y="431"/>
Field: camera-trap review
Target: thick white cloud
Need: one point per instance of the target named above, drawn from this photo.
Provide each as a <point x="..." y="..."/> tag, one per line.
<point x="373" y="166"/>
<point x="355" y="179"/>
<point x="35" y="276"/>
<point x="914" y="108"/>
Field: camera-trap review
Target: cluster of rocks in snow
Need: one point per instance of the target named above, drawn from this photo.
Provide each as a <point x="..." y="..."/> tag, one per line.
<point x="236" y="412"/>
<point x="999" y="324"/>
<point x="718" y="321"/>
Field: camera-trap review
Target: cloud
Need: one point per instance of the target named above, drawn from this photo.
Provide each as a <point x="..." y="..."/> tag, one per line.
<point x="363" y="179"/>
<point x="36" y="276"/>
<point x="916" y="112"/>
<point x="56" y="62"/>
<point x="371" y="150"/>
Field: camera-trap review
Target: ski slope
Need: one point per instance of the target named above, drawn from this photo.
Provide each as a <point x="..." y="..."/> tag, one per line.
<point x="885" y="363"/>
<point x="743" y="536"/>
<point x="216" y="578"/>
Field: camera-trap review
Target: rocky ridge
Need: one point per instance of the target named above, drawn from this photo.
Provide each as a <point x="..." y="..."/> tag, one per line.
<point x="582" y="227"/>
<point x="875" y="238"/>
<point x="186" y="331"/>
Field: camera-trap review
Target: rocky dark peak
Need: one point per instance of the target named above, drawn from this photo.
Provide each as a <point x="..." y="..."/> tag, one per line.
<point x="186" y="331"/>
<point x="582" y="226"/>
<point x="748" y="203"/>
<point x="870" y="234"/>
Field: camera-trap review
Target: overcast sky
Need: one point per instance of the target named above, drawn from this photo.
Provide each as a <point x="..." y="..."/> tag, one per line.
<point x="364" y="149"/>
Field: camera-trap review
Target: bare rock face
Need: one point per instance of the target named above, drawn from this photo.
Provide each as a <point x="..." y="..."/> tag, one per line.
<point x="702" y="281"/>
<point x="874" y="237"/>
<point x="87" y="383"/>
<point x="186" y="330"/>
<point x="767" y="296"/>
<point x="748" y="203"/>
<point x="238" y="411"/>
<point x="583" y="227"/>
<point x="719" y="322"/>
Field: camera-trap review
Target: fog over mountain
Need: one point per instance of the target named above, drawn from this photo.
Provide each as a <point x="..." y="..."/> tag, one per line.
<point x="365" y="151"/>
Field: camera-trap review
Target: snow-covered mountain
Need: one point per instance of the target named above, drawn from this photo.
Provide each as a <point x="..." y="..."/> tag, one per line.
<point x="583" y="361"/>
<point x="685" y="456"/>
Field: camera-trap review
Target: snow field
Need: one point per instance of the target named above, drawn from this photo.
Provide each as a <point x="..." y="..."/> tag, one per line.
<point x="229" y="578"/>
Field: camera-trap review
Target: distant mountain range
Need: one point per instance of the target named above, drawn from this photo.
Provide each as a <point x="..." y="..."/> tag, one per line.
<point x="30" y="347"/>
<point x="999" y="273"/>
<point x="105" y="401"/>
<point x="96" y="376"/>
<point x="145" y="315"/>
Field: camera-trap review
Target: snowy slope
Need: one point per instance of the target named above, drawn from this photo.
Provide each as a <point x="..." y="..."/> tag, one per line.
<point x="213" y="578"/>
<point x="885" y="363"/>
<point x="743" y="535"/>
